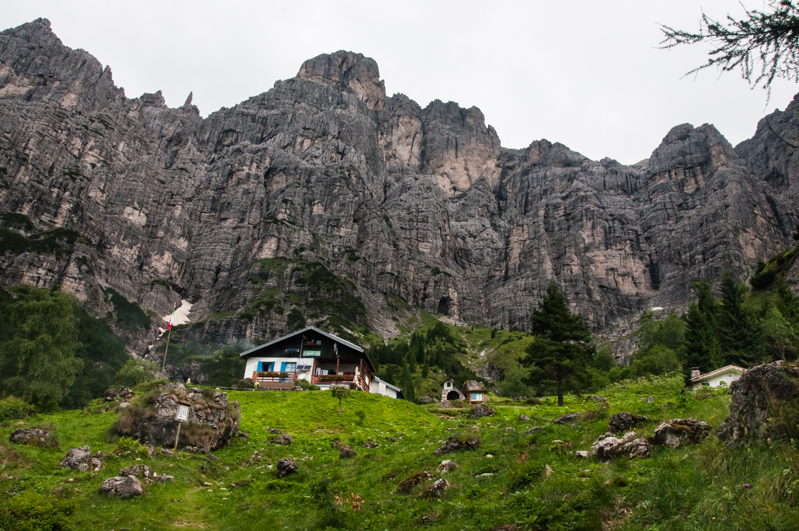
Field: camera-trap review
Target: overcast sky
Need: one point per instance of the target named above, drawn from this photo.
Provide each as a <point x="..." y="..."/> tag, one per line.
<point x="588" y="74"/>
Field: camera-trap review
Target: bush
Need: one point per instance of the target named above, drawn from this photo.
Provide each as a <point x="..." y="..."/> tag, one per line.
<point x="307" y="386"/>
<point x="246" y="383"/>
<point x="30" y="511"/>
<point x="136" y="371"/>
<point x="15" y="408"/>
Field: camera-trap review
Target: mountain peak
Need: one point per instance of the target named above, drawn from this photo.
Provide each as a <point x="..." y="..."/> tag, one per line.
<point x="349" y="70"/>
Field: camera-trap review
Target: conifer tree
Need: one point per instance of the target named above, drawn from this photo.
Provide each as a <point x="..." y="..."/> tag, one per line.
<point x="563" y="347"/>
<point x="406" y="383"/>
<point x="701" y="344"/>
<point x="737" y="330"/>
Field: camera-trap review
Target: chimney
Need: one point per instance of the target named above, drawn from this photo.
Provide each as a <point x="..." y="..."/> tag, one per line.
<point x="695" y="372"/>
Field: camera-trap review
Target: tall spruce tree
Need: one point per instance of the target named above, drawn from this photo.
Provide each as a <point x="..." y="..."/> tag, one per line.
<point x="563" y="347"/>
<point x="737" y="330"/>
<point x="701" y="347"/>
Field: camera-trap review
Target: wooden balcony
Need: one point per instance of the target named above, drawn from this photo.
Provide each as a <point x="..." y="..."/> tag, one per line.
<point x="274" y="380"/>
<point x="353" y="381"/>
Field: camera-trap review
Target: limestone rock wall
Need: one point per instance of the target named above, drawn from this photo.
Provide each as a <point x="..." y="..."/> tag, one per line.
<point x="324" y="194"/>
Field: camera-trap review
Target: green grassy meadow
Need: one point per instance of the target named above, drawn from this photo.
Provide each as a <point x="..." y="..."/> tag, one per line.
<point x="700" y="487"/>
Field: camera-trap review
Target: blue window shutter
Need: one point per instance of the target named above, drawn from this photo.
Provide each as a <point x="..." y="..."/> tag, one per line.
<point x="283" y="366"/>
<point x="270" y="366"/>
<point x="260" y="365"/>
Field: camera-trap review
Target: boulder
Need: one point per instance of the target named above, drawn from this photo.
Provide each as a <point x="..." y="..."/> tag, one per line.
<point x="678" y="432"/>
<point x="523" y="417"/>
<point x="116" y="393"/>
<point x="482" y="410"/>
<point x="370" y="444"/>
<point x="582" y="454"/>
<point x="757" y="396"/>
<point x="284" y="439"/>
<point x="33" y="437"/>
<point x="438" y="488"/>
<point x="446" y="466"/>
<point x="608" y="447"/>
<point x="622" y="422"/>
<point x="596" y="398"/>
<point x="274" y="431"/>
<point x="406" y="485"/>
<point x="457" y="442"/>
<point x="139" y="471"/>
<point x="534" y="430"/>
<point x="569" y="417"/>
<point x="81" y="459"/>
<point x="122" y="486"/>
<point x="346" y="452"/>
<point x="285" y="467"/>
<point x="166" y="452"/>
<point x="256" y="458"/>
<point x="212" y="420"/>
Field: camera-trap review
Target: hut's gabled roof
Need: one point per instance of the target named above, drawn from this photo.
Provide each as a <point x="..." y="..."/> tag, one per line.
<point x="337" y="339"/>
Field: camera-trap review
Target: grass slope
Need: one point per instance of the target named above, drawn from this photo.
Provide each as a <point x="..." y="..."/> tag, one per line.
<point x="698" y="487"/>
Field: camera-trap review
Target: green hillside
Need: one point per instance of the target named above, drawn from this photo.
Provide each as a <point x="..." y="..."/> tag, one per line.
<point x="698" y="487"/>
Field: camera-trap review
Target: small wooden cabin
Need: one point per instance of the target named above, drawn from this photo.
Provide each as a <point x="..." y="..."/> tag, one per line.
<point x="475" y="393"/>
<point x="316" y="357"/>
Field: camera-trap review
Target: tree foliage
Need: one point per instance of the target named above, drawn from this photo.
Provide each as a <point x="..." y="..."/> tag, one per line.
<point x="737" y="328"/>
<point x="764" y="45"/>
<point x="137" y="371"/>
<point x="38" y="363"/>
<point x="340" y="392"/>
<point x="563" y="347"/>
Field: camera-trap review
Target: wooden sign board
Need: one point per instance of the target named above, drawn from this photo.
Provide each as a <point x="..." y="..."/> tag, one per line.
<point x="183" y="413"/>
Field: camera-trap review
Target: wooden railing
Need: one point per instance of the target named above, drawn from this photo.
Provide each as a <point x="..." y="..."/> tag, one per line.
<point x="260" y="376"/>
<point x="340" y="379"/>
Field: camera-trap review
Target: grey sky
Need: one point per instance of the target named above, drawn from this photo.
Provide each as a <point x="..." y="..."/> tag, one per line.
<point x="587" y="73"/>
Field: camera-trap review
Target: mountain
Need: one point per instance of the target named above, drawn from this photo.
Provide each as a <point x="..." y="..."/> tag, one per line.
<point x="324" y="201"/>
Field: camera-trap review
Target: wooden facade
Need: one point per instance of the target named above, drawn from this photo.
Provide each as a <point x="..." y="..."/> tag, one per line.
<point x="311" y="355"/>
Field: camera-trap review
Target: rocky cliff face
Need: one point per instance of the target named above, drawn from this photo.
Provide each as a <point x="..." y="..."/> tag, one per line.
<point x="324" y="200"/>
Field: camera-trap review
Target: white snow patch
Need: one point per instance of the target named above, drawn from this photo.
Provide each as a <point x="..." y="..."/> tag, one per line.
<point x="657" y="309"/>
<point x="181" y="314"/>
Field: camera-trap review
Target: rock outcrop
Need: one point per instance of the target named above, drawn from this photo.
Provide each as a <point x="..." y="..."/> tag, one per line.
<point x="457" y="443"/>
<point x="758" y="395"/>
<point x="675" y="433"/>
<point x="122" y="486"/>
<point x="212" y="420"/>
<point x="631" y="445"/>
<point x="286" y="467"/>
<point x="33" y="437"/>
<point x="481" y="410"/>
<point x="622" y="422"/>
<point x="398" y="206"/>
<point x="81" y="459"/>
<point x="446" y="466"/>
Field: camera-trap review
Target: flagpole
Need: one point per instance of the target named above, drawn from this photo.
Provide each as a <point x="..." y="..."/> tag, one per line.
<point x="166" y="349"/>
<point x="168" y="335"/>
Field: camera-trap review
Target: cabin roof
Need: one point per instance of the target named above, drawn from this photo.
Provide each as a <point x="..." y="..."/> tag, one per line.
<point x="337" y="339"/>
<point x="394" y="387"/>
<point x="728" y="368"/>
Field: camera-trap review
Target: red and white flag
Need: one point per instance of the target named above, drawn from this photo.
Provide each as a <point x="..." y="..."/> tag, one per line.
<point x="169" y="326"/>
